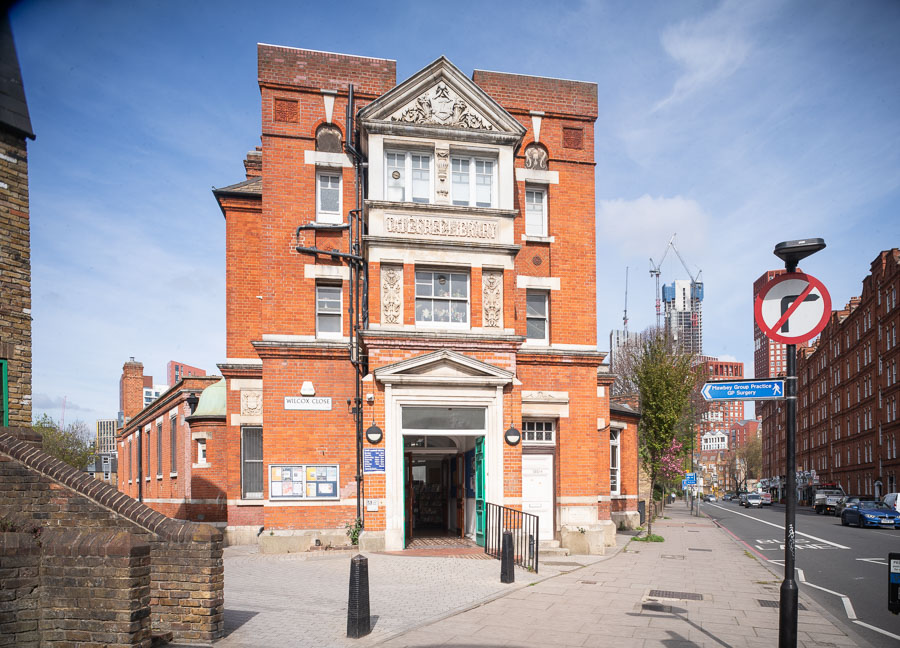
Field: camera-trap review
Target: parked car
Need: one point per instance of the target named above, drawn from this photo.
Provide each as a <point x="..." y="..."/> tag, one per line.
<point x="727" y="497"/>
<point x="766" y="499"/>
<point x="891" y="500"/>
<point x="742" y="499"/>
<point x="753" y="500"/>
<point x="871" y="513"/>
<point x="850" y="501"/>
<point x="712" y="498"/>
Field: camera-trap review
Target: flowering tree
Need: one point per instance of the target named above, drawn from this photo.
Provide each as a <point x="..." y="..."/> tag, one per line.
<point x="665" y="379"/>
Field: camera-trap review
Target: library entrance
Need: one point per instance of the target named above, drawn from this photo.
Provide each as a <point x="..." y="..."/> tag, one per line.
<point x="443" y="487"/>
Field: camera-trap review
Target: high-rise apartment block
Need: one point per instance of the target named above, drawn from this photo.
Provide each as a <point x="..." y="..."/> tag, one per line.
<point x="848" y="428"/>
<point x="683" y="302"/>
<point x="106" y="436"/>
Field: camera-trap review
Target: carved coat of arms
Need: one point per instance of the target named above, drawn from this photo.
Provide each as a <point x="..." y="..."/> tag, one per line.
<point x="440" y="106"/>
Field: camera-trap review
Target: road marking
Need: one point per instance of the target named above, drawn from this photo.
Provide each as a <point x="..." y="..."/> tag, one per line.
<point x="848" y="606"/>
<point x="778" y="526"/>
<point x="871" y="627"/>
<point x="877" y="561"/>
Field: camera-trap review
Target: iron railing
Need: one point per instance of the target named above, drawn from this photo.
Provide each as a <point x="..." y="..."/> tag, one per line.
<point x="524" y="530"/>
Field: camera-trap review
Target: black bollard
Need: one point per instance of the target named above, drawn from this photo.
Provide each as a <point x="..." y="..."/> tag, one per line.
<point x="507" y="575"/>
<point x="358" y="622"/>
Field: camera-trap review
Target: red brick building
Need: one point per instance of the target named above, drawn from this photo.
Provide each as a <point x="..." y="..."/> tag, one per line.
<point x="430" y="274"/>
<point x="175" y="371"/>
<point x="718" y="416"/>
<point x="848" y="428"/>
<point x="162" y="449"/>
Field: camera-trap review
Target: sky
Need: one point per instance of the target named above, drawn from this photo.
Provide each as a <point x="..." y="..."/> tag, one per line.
<point x="734" y="125"/>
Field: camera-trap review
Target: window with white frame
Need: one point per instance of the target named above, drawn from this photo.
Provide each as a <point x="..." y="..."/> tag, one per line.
<point x="536" y="302"/>
<point x="328" y="198"/>
<point x="407" y="177"/>
<point x="201" y="451"/>
<point x="473" y="181"/>
<point x="328" y="310"/>
<point x="538" y="432"/>
<point x="535" y="212"/>
<point x="614" y="461"/>
<point x="442" y="297"/>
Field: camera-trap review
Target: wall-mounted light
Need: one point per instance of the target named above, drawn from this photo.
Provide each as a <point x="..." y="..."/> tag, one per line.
<point x="192" y="402"/>
<point x="374" y="435"/>
<point x="512" y="436"/>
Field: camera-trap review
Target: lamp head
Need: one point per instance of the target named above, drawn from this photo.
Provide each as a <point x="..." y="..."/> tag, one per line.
<point x="791" y="252"/>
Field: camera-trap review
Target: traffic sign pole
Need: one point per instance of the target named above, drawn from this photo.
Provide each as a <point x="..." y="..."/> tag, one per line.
<point x="805" y="327"/>
<point x="788" y="609"/>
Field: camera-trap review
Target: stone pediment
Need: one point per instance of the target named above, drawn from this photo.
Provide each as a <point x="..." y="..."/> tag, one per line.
<point x="441" y="96"/>
<point x="443" y="367"/>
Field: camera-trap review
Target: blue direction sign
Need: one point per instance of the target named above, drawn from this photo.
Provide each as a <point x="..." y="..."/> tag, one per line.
<point x="690" y="479"/>
<point x="744" y="390"/>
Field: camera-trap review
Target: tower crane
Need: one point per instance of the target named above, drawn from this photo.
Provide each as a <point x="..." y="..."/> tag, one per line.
<point x="654" y="272"/>
<point x="696" y="279"/>
<point x="625" y="314"/>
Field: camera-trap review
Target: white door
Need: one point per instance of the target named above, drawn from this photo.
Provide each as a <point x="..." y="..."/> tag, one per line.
<point x="537" y="490"/>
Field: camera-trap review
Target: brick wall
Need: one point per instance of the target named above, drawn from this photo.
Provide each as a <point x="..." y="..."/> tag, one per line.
<point x="15" y="276"/>
<point x="186" y="568"/>
<point x="20" y="576"/>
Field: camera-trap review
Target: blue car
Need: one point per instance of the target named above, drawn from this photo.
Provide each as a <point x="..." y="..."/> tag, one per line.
<point x="871" y="514"/>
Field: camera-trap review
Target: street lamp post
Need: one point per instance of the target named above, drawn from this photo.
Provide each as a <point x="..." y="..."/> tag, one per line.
<point x="791" y="252"/>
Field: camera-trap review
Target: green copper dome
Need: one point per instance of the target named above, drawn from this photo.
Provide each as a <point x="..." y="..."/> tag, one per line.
<point x="212" y="400"/>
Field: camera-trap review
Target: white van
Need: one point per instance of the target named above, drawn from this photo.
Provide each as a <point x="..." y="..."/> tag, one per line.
<point x="891" y="500"/>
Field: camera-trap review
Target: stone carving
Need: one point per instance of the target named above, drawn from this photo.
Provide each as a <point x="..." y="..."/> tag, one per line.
<point x="328" y="139"/>
<point x="391" y="295"/>
<point x="492" y="299"/>
<point x="251" y="402"/>
<point x="536" y="157"/>
<point x="442" y="107"/>
<point x="443" y="163"/>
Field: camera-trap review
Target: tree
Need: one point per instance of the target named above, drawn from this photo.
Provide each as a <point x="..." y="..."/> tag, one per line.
<point x="72" y="444"/>
<point x="665" y="379"/>
<point x="751" y="454"/>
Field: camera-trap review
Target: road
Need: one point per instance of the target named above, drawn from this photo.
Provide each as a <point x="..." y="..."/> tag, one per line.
<point x="844" y="569"/>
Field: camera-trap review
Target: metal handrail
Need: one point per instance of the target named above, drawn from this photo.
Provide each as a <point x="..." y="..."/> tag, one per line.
<point x="524" y="529"/>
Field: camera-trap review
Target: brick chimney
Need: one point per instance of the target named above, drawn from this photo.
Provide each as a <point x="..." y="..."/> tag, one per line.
<point x="131" y="388"/>
<point x="253" y="163"/>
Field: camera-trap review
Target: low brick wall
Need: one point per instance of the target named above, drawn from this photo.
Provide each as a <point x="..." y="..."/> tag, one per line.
<point x="186" y="566"/>
<point x="95" y="589"/>
<point x="20" y="558"/>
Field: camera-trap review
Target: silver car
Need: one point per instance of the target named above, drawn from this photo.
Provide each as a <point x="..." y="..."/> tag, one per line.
<point x="753" y="500"/>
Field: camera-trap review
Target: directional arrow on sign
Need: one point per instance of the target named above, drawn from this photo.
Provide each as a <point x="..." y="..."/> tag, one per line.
<point x="743" y="390"/>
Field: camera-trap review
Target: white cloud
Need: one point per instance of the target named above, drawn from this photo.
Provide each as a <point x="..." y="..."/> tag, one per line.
<point x="708" y="49"/>
<point x="644" y="225"/>
<point x="43" y="401"/>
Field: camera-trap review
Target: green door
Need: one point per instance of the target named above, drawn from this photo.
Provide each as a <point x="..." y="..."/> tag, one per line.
<point x="479" y="491"/>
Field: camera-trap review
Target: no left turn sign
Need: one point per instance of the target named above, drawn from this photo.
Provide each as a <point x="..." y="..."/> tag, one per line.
<point x="792" y="308"/>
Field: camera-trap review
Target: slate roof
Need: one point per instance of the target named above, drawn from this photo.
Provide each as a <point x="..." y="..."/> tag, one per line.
<point x="252" y="187"/>
<point x="13" y="107"/>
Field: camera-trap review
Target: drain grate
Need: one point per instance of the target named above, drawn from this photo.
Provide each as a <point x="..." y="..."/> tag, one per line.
<point x="666" y="594"/>
<point x="775" y="604"/>
<point x="697" y="549"/>
<point x="588" y="582"/>
<point x="692" y="531"/>
<point x="672" y="557"/>
<point x="561" y="563"/>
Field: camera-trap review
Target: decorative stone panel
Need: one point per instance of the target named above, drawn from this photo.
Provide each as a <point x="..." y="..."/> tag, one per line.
<point x="392" y="295"/>
<point x="492" y="299"/>
<point x="251" y="402"/>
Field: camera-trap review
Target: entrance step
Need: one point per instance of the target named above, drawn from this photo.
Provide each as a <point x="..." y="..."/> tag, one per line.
<point x="547" y="552"/>
<point x="549" y="544"/>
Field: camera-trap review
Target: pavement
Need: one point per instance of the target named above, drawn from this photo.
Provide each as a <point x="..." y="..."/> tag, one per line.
<point x="697" y="588"/>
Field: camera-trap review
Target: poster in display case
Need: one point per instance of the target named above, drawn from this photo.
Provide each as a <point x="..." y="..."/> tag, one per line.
<point x="304" y="481"/>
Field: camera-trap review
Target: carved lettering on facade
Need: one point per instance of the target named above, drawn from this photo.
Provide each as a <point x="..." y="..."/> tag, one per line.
<point x="492" y="299"/>
<point x="441" y="106"/>
<point x="391" y="295"/>
<point x="251" y="402"/>
<point x="443" y="227"/>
